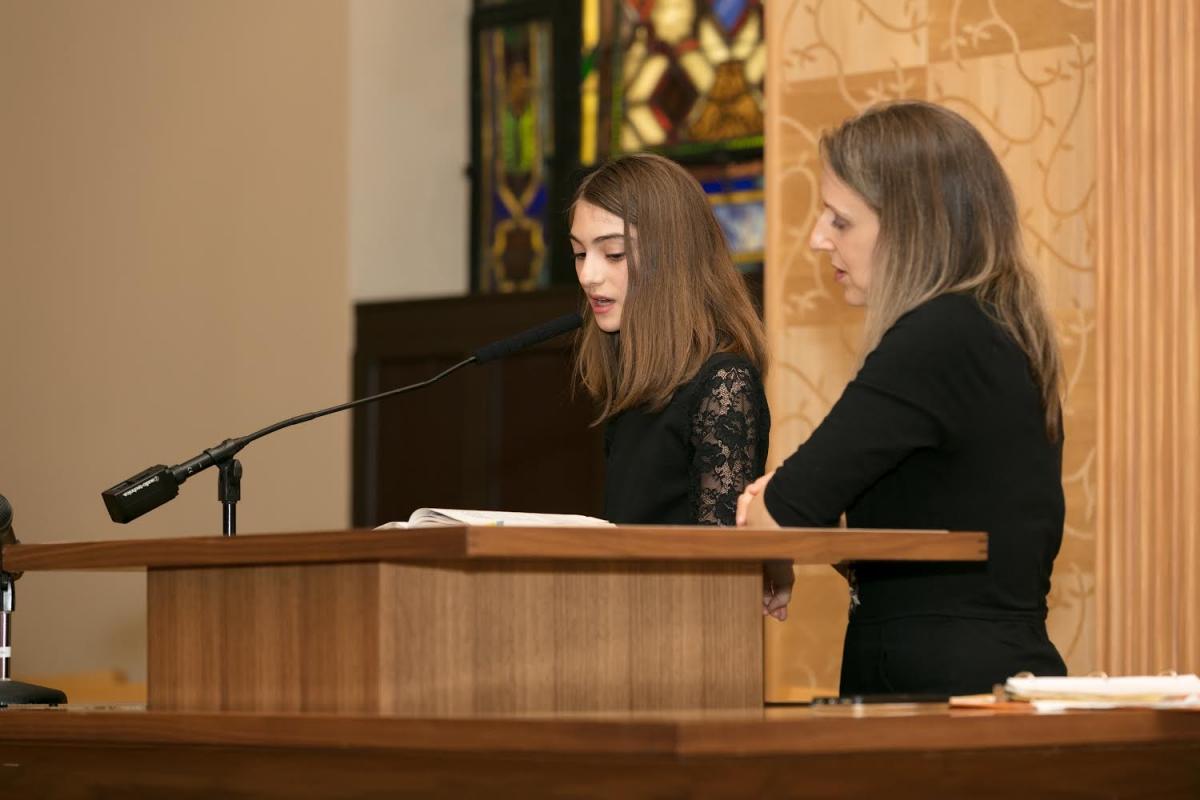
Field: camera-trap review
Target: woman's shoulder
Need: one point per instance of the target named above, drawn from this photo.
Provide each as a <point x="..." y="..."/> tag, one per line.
<point x="725" y="378"/>
<point x="957" y="310"/>
<point x="945" y="338"/>
<point x="727" y="367"/>
<point x="946" y="325"/>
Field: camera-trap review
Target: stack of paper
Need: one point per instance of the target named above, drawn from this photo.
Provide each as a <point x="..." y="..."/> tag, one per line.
<point x="435" y="517"/>
<point x="1143" y="691"/>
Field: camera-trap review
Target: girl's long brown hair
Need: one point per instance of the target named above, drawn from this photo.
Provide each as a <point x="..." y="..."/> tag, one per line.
<point x="685" y="300"/>
<point x="947" y="223"/>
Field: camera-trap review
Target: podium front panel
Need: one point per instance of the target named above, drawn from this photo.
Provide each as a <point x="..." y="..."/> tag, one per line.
<point x="456" y="637"/>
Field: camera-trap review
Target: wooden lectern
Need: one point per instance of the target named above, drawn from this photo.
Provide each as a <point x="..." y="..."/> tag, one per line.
<point x="468" y="621"/>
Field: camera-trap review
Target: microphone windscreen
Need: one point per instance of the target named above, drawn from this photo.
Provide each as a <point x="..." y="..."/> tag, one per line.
<point x="144" y="492"/>
<point x="547" y="330"/>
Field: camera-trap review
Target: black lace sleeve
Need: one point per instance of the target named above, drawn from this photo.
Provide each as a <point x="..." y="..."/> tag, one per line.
<point x="729" y="438"/>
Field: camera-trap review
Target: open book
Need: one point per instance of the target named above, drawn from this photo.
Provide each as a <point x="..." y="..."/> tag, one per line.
<point x="433" y="517"/>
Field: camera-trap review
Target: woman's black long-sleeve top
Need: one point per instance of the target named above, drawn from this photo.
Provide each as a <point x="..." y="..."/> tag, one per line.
<point x="687" y="463"/>
<point x="942" y="428"/>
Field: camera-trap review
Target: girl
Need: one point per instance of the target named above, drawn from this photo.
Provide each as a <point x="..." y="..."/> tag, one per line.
<point x="671" y="350"/>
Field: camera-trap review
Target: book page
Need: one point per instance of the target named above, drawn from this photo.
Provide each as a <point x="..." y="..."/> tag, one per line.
<point x="433" y="517"/>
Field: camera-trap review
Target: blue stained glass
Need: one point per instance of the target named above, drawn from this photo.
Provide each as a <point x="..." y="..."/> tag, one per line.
<point x="744" y="225"/>
<point x="499" y="209"/>
<point x="537" y="205"/>
<point x="732" y="184"/>
<point x="728" y="12"/>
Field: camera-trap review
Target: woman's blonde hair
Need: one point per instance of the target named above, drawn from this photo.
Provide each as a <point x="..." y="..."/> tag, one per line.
<point x="685" y="299"/>
<point x="948" y="223"/>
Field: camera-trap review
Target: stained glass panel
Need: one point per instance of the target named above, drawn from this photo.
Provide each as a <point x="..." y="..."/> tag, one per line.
<point x="736" y="193"/>
<point x="516" y="138"/>
<point x="680" y="77"/>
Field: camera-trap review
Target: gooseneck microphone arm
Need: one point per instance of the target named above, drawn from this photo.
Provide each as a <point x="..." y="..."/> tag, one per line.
<point x="159" y="484"/>
<point x="230" y="447"/>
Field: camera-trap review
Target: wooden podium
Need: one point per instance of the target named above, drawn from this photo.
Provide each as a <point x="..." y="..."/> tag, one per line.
<point x="468" y="621"/>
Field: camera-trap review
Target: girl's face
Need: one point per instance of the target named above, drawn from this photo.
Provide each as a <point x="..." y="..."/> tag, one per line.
<point x="598" y="240"/>
<point x="847" y="229"/>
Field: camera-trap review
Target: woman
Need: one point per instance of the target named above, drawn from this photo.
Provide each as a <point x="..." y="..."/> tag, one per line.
<point x="953" y="420"/>
<point x="671" y="350"/>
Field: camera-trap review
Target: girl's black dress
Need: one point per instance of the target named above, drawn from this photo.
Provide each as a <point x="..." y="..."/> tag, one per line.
<point x="687" y="464"/>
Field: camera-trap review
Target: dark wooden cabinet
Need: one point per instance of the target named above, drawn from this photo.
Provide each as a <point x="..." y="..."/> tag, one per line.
<point x="512" y="435"/>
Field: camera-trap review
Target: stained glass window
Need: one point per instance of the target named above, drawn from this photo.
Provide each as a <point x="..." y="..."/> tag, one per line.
<point x="680" y="77"/>
<point x="516" y="139"/>
<point x="676" y="76"/>
<point x="683" y="78"/>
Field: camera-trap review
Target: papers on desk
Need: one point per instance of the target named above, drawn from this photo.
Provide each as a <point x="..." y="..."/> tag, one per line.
<point x="1133" y="691"/>
<point x="436" y="517"/>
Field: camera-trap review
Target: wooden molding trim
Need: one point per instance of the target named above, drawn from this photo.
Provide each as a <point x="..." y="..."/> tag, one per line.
<point x="1148" y="300"/>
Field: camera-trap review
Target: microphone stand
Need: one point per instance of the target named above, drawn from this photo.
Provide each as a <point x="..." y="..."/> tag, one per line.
<point x="17" y="692"/>
<point x="229" y="469"/>
<point x="229" y="491"/>
<point x="14" y="692"/>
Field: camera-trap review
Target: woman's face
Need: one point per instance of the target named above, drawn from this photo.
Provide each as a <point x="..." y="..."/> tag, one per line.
<point x="847" y="229"/>
<point x="598" y="240"/>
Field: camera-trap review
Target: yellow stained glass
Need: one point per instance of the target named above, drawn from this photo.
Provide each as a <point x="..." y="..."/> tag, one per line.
<point x="698" y="69"/>
<point x="646" y="124"/>
<point x="643" y="85"/>
<point x="746" y="39"/>
<point x="673" y="19"/>
<point x="756" y="64"/>
<point x="712" y="43"/>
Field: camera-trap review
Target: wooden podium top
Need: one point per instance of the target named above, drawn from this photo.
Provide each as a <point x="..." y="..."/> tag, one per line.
<point x="792" y="753"/>
<point x="627" y="542"/>
<point x="796" y="730"/>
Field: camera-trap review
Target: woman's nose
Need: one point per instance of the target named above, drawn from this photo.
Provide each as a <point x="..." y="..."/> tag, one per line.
<point x="818" y="240"/>
<point x="589" y="272"/>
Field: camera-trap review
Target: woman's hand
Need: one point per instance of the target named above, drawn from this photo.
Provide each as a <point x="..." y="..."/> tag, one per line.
<point x="777" y="575"/>
<point x="752" y="490"/>
<point x="777" y="588"/>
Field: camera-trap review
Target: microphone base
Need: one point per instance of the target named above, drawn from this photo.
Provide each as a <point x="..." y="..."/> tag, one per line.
<point x="15" y="693"/>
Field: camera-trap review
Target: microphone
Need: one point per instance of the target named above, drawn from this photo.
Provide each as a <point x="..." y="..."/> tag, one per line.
<point x="536" y="335"/>
<point x="152" y="487"/>
<point x="6" y="532"/>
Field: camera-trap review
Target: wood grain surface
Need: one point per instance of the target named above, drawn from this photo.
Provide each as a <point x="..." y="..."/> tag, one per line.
<point x="798" y="753"/>
<point x="805" y="546"/>
<point x="456" y="637"/>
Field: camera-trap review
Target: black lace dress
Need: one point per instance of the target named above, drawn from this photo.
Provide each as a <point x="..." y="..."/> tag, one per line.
<point x="687" y="464"/>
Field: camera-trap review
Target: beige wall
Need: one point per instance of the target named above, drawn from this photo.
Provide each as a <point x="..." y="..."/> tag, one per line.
<point x="409" y="125"/>
<point x="173" y="270"/>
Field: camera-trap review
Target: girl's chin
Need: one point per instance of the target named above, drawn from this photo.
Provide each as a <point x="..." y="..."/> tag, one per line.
<point x="608" y="326"/>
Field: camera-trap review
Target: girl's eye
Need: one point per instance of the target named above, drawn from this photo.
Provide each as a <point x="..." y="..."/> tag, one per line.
<point x="579" y="256"/>
<point x="839" y="223"/>
<point x="615" y="256"/>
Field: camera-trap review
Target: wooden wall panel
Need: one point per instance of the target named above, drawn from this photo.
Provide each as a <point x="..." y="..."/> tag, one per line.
<point x="1148" y="558"/>
<point x="510" y="435"/>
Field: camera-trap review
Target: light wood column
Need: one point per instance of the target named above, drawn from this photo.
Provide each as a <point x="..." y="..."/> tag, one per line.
<point x="1148" y="296"/>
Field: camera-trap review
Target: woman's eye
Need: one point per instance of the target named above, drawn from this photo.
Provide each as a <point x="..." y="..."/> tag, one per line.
<point x="579" y="256"/>
<point x="839" y="223"/>
<point x="615" y="256"/>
